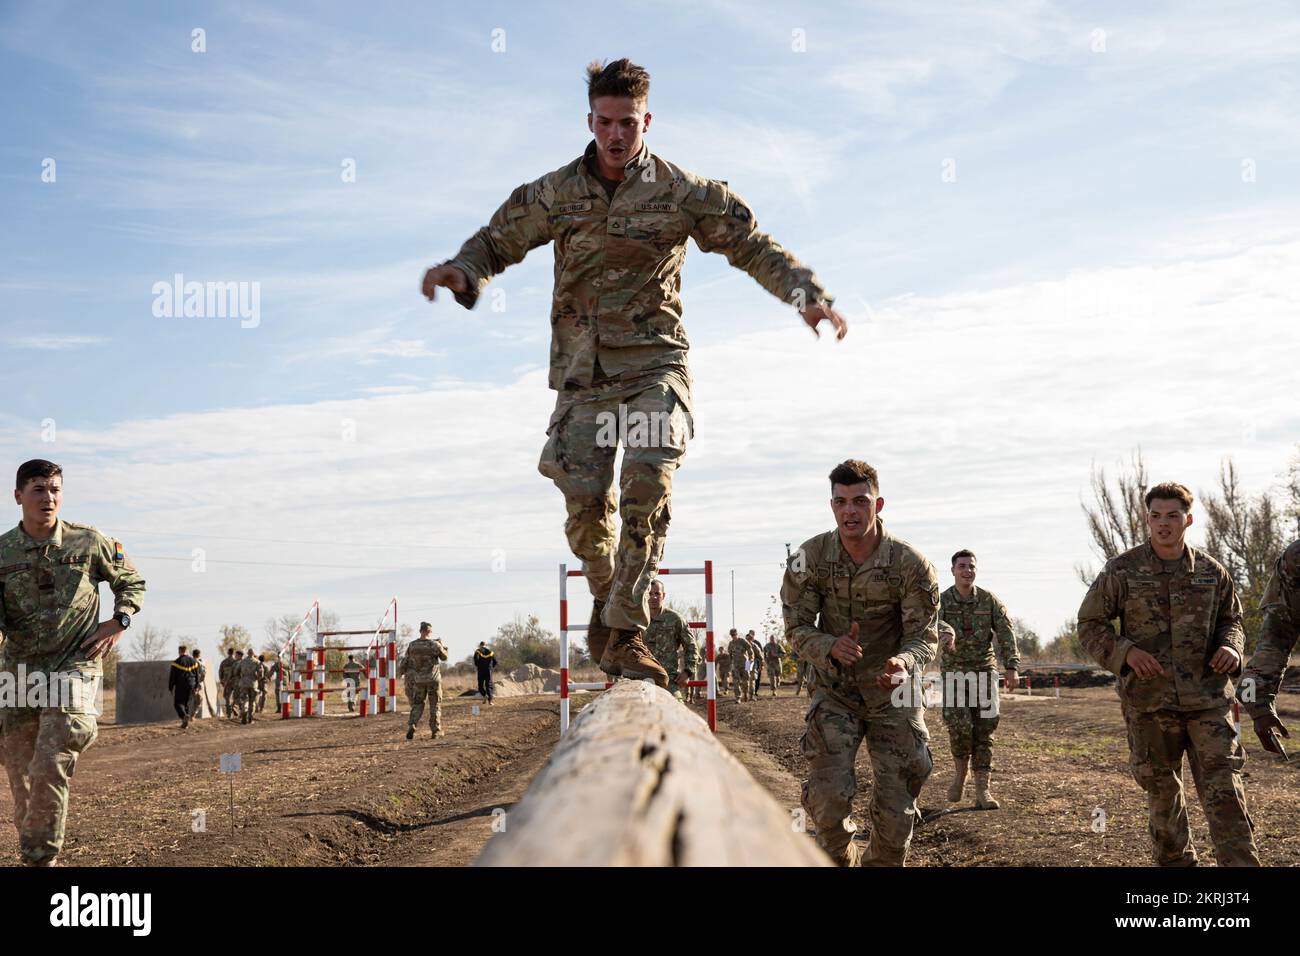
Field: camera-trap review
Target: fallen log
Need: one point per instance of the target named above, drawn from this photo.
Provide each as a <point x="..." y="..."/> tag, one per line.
<point x="639" y="780"/>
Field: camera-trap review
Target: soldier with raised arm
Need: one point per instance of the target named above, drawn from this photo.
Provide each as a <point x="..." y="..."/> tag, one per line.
<point x="619" y="217"/>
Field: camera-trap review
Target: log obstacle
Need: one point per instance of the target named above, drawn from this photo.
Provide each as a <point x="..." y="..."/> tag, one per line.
<point x="640" y="780"/>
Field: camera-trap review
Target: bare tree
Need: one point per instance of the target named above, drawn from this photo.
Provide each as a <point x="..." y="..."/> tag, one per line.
<point x="1245" y="534"/>
<point x="234" y="637"/>
<point x="1028" y="642"/>
<point x="150" y="643"/>
<point x="1116" y="518"/>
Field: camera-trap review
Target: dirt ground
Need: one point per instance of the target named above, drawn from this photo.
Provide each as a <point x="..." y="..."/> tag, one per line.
<point x="342" y="790"/>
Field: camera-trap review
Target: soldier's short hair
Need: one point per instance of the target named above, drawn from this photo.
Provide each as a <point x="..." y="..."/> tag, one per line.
<point x="350" y="657"/>
<point x="854" y="472"/>
<point x="183" y="648"/>
<point x="197" y="651"/>
<point x="733" y="630"/>
<point x="239" y="653"/>
<point x="622" y="77"/>
<point x="963" y="553"/>
<point x="36" y="468"/>
<point x="425" y="626"/>
<point x="1171" y="491"/>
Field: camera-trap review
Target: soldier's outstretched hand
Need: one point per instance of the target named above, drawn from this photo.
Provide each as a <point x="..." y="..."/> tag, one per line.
<point x="1265" y="727"/>
<point x="447" y="276"/>
<point x="814" y="315"/>
<point x="846" y="649"/>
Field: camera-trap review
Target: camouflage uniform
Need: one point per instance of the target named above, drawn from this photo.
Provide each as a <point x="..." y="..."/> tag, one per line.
<point x="741" y="652"/>
<point x="702" y="672"/>
<point x="722" y="668"/>
<point x="670" y="641"/>
<point x="1180" y="612"/>
<point x="226" y="676"/>
<point x="894" y="598"/>
<point x="772" y="651"/>
<point x="802" y="674"/>
<point x="245" y="677"/>
<point x="423" y="679"/>
<point x="978" y="621"/>
<point x="1277" y="636"/>
<point x="263" y="672"/>
<point x="756" y="675"/>
<point x="49" y="603"/>
<point x="617" y="340"/>
<point x="200" y="688"/>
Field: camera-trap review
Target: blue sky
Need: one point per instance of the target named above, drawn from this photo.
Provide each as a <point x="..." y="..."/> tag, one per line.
<point x="1114" y="264"/>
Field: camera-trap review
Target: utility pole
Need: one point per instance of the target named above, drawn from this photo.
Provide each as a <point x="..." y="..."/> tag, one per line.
<point x="733" y="597"/>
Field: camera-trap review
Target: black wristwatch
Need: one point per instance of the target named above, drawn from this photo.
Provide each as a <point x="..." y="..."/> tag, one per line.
<point x="123" y="619"/>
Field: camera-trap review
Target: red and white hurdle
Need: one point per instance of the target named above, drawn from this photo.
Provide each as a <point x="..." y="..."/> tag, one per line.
<point x="710" y="676"/>
<point x="303" y="693"/>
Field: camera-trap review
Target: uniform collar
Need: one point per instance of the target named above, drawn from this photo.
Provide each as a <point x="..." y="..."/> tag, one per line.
<point x="1157" y="563"/>
<point x="883" y="555"/>
<point x="55" y="539"/>
<point x="643" y="158"/>
<point x="974" y="594"/>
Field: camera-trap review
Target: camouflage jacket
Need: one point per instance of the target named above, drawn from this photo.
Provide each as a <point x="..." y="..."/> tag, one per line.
<point x="245" y="674"/>
<point x="1277" y="635"/>
<point x="616" y="310"/>
<point x="224" y="670"/>
<point x="353" y="671"/>
<point x="421" y="659"/>
<point x="49" y="594"/>
<point x="893" y="597"/>
<point x="772" y="651"/>
<point x="738" y="652"/>
<point x="978" y="621"/>
<point x="669" y="640"/>
<point x="1181" y="618"/>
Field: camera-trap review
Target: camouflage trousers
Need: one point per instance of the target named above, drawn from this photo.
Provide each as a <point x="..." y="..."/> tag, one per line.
<point x="802" y="675"/>
<point x="773" y="674"/>
<point x="246" y="701"/>
<point x="970" y="728"/>
<point x="898" y="744"/>
<point x="228" y="692"/>
<point x="417" y="690"/>
<point x="742" y="684"/>
<point x="261" y="697"/>
<point x="579" y="458"/>
<point x="41" y="747"/>
<point x="1157" y="742"/>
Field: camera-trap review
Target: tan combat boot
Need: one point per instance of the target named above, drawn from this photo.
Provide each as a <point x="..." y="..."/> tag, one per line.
<point x="626" y="655"/>
<point x="983" y="799"/>
<point x="597" y="633"/>
<point x="962" y="764"/>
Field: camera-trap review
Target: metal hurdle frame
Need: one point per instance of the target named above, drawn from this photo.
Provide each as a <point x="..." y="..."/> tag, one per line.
<point x="297" y="700"/>
<point x="710" y="676"/>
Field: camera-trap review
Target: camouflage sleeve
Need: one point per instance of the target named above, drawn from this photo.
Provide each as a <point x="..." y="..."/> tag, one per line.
<point x="113" y="567"/>
<point x="1007" y="647"/>
<point x="1277" y="637"/>
<point x="1227" y="629"/>
<point x="920" y="606"/>
<point x="520" y="225"/>
<point x="442" y="650"/>
<point x="401" y="666"/>
<point x="800" y="605"/>
<point x="1096" y="633"/>
<point x="722" y="222"/>
<point x="690" y="654"/>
